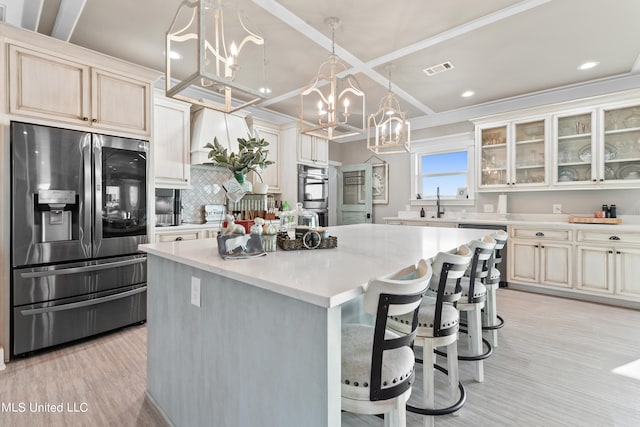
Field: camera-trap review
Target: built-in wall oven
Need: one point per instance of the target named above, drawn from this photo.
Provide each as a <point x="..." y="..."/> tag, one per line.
<point x="78" y="214"/>
<point x="313" y="191"/>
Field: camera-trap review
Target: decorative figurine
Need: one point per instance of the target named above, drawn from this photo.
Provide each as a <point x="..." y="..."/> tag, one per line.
<point x="256" y="228"/>
<point x="232" y="227"/>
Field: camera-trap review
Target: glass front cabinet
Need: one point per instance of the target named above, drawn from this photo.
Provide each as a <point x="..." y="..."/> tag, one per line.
<point x="513" y="154"/>
<point x="598" y="147"/>
<point x="590" y="146"/>
<point x="575" y="143"/>
<point x="620" y="151"/>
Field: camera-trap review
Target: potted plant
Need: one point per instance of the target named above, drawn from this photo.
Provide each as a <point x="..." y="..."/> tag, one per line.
<point x="251" y="156"/>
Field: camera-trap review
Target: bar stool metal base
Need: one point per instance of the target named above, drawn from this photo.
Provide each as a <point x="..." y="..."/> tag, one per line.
<point x="441" y="411"/>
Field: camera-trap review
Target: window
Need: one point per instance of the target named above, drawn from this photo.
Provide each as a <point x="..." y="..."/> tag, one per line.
<point x="444" y="172"/>
<point x="444" y="164"/>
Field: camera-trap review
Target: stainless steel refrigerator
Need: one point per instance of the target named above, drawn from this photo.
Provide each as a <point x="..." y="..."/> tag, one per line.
<point x="78" y="214"/>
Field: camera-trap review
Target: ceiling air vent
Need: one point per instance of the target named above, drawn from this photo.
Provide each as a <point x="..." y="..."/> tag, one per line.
<point x="436" y="69"/>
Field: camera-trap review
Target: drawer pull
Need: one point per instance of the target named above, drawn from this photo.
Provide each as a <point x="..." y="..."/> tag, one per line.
<point x="178" y="238"/>
<point x="614" y="238"/>
<point x="539" y="234"/>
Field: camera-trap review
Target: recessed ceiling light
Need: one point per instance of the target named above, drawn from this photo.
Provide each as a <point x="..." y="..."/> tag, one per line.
<point x="265" y="90"/>
<point x="587" y="65"/>
<point x="467" y="93"/>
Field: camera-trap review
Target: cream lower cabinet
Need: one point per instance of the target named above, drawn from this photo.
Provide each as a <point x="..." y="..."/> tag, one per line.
<point x="52" y="87"/>
<point x="540" y="256"/>
<point x="171" y="142"/>
<point x="609" y="263"/>
<point x="177" y="236"/>
<point x="172" y="235"/>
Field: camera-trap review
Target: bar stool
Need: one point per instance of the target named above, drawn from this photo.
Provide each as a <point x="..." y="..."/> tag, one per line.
<point x="368" y="385"/>
<point x="491" y="321"/>
<point x="438" y="323"/>
<point x="474" y="295"/>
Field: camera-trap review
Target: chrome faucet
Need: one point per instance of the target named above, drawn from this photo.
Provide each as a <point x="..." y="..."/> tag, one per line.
<point x="439" y="212"/>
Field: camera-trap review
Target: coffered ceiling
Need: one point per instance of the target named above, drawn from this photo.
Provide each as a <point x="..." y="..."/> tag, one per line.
<point x="499" y="49"/>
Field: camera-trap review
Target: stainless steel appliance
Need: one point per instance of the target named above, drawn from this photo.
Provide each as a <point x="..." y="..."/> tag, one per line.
<point x="313" y="191"/>
<point x="168" y="207"/>
<point x="78" y="214"/>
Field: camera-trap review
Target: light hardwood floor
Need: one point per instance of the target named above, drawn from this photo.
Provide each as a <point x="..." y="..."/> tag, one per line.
<point x="553" y="367"/>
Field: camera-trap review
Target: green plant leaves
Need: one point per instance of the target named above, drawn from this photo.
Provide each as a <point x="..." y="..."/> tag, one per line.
<point x="251" y="155"/>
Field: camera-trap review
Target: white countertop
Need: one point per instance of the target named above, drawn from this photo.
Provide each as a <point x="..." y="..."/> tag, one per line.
<point x="629" y="222"/>
<point x="324" y="277"/>
<point x="186" y="226"/>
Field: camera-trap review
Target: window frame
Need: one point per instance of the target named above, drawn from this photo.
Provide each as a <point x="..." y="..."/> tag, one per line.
<point x="443" y="145"/>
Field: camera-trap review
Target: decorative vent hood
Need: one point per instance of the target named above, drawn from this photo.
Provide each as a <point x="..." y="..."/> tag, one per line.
<point x="207" y="124"/>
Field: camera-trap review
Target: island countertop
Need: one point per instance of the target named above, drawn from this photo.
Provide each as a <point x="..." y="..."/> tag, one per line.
<point x="323" y="277"/>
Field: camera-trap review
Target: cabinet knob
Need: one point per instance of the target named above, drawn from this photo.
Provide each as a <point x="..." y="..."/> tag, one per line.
<point x="94" y="120"/>
<point x="86" y="119"/>
<point x="539" y="234"/>
<point x="614" y="238"/>
<point x="178" y="238"/>
<point x="618" y="252"/>
<point x="610" y="252"/>
<point x="595" y="180"/>
<point x="601" y="179"/>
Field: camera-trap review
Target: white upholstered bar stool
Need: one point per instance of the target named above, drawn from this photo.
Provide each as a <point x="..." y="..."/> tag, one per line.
<point x="474" y="295"/>
<point x="491" y="321"/>
<point x="438" y="327"/>
<point x="377" y="364"/>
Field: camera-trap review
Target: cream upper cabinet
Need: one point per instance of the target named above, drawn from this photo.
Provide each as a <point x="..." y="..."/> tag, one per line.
<point x="119" y="103"/>
<point x="620" y="148"/>
<point x="574" y="142"/>
<point x="598" y="147"/>
<point x="313" y="150"/>
<point x="512" y="154"/>
<point x="171" y="142"/>
<point x="51" y="87"/>
<point x="271" y="175"/>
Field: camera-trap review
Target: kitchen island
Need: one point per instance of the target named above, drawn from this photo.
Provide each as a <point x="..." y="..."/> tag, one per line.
<point x="263" y="346"/>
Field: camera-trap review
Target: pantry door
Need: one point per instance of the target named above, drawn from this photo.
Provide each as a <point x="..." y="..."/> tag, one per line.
<point x="355" y="194"/>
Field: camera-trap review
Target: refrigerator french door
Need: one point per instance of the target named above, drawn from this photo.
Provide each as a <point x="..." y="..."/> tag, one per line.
<point x="78" y="212"/>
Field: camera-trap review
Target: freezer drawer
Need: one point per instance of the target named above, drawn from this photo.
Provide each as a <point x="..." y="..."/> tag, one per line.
<point x="38" y="284"/>
<point x="42" y="325"/>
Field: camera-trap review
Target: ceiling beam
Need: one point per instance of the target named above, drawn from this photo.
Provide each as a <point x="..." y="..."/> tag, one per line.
<point x="31" y="11"/>
<point x="286" y="16"/>
<point x="68" y="14"/>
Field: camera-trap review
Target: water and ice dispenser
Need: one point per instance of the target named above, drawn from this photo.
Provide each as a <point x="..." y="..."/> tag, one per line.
<point x="56" y="212"/>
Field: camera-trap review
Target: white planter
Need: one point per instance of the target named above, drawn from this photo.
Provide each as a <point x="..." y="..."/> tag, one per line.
<point x="260" y="188"/>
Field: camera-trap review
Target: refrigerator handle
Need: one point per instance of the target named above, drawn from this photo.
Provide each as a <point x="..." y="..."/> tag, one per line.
<point x="86" y="237"/>
<point x="79" y="304"/>
<point x="96" y="192"/>
<point x="75" y="270"/>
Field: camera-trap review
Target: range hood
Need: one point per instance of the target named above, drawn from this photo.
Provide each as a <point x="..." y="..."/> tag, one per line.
<point x="207" y="124"/>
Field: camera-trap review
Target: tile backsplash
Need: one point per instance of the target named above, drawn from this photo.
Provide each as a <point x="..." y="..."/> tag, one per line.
<point x="206" y="183"/>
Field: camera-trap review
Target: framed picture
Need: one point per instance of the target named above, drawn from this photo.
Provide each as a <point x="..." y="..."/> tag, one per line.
<point x="380" y="184"/>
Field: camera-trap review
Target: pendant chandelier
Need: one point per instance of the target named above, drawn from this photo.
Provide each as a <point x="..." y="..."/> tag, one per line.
<point x="204" y="43"/>
<point x="388" y="129"/>
<point x="334" y="97"/>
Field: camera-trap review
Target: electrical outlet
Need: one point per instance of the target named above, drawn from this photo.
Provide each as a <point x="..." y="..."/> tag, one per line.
<point x="488" y="208"/>
<point x="557" y="208"/>
<point x="195" y="291"/>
